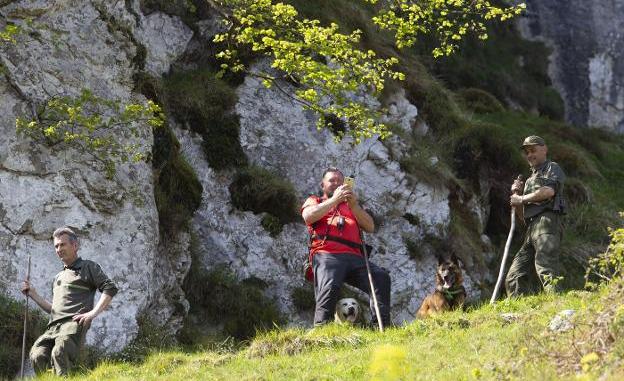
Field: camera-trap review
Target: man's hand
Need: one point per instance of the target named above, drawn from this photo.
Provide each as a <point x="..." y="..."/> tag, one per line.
<point x="85" y="319"/>
<point x="30" y="291"/>
<point x="342" y="194"/>
<point x="515" y="200"/>
<point x="26" y="289"/>
<point x="352" y="199"/>
<point x="517" y="187"/>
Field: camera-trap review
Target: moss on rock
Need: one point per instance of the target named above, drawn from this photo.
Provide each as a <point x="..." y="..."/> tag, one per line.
<point x="241" y="306"/>
<point x="258" y="190"/>
<point x="205" y="103"/>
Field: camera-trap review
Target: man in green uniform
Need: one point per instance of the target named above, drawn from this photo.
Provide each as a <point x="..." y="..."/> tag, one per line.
<point x="71" y="310"/>
<point x="541" y="207"/>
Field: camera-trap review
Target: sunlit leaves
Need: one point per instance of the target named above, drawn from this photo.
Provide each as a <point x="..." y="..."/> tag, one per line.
<point x="609" y="265"/>
<point x="333" y="76"/>
<point x="100" y="128"/>
<point x="9" y="33"/>
<point x="448" y="21"/>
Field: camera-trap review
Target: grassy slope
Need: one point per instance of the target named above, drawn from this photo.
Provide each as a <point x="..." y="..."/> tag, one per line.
<point x="478" y="344"/>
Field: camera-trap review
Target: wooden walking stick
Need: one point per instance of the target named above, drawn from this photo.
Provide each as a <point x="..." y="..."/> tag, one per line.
<point x="372" y="284"/>
<point x="499" y="281"/>
<point x="25" y="324"/>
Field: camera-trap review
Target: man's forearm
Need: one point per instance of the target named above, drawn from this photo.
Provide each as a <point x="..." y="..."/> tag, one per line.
<point x="41" y="302"/>
<point x="543" y="193"/>
<point x="313" y="213"/>
<point x="101" y="305"/>
<point x="364" y="220"/>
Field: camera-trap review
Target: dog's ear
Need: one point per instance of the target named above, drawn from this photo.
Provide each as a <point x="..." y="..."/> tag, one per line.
<point x="455" y="259"/>
<point x="440" y="259"/>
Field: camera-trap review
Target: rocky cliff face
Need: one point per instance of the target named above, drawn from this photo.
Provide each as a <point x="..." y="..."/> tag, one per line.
<point x="587" y="63"/>
<point x="278" y="135"/>
<point x="99" y="45"/>
<point x="66" y="46"/>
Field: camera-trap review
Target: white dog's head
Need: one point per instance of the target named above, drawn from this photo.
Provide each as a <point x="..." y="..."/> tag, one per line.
<point x="347" y="310"/>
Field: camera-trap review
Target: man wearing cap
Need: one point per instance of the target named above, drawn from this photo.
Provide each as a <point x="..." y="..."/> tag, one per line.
<point x="71" y="310"/>
<point x="541" y="206"/>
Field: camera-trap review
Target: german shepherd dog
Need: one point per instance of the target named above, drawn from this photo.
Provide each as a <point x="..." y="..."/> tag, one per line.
<point x="449" y="293"/>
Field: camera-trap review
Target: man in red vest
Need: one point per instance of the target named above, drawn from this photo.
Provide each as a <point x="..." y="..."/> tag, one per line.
<point x="334" y="221"/>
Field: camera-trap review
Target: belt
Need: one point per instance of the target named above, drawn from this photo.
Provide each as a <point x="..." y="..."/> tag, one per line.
<point x="533" y="218"/>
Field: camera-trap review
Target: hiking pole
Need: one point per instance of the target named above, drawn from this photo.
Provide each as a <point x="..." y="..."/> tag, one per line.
<point x="506" y="252"/>
<point x="25" y="323"/>
<point x="372" y="284"/>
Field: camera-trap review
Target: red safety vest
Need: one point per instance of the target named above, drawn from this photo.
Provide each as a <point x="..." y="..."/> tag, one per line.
<point x="337" y="232"/>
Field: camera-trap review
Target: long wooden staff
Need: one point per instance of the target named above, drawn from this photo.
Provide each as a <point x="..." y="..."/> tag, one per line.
<point x="506" y="252"/>
<point x="372" y="284"/>
<point x="25" y="324"/>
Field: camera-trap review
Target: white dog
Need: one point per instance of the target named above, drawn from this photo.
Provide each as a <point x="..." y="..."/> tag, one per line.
<point x="347" y="311"/>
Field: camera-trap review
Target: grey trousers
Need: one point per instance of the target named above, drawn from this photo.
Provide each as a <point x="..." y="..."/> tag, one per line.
<point x="332" y="270"/>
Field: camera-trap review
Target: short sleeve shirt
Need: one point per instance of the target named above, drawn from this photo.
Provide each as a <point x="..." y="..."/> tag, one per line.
<point x="549" y="174"/>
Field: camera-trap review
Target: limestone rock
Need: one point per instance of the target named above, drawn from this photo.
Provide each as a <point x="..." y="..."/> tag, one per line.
<point x="562" y="322"/>
<point x="587" y="63"/>
<point x="69" y="46"/>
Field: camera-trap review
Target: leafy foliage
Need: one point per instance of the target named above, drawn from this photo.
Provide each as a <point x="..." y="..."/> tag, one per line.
<point x="9" y="33"/>
<point x="93" y="126"/>
<point x="507" y="66"/>
<point x="332" y="75"/>
<point x="271" y="224"/>
<point x="259" y="190"/>
<point x="610" y="264"/>
<point x="303" y="298"/>
<point x="448" y="21"/>
<point x="205" y="103"/>
<point x="480" y="101"/>
<point x="177" y="191"/>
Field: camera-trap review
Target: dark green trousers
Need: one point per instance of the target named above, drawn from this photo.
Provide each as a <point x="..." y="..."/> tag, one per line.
<point x="59" y="346"/>
<point x="539" y="255"/>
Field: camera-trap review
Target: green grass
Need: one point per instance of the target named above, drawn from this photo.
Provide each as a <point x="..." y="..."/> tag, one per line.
<point x="472" y="345"/>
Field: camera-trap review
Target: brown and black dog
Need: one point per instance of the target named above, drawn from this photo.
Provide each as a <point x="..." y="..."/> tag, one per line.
<point x="449" y="294"/>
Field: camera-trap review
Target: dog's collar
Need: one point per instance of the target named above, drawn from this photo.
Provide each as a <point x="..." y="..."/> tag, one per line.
<point x="450" y="293"/>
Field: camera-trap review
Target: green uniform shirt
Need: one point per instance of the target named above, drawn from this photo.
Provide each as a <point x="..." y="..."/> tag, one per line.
<point x="74" y="289"/>
<point x="549" y="174"/>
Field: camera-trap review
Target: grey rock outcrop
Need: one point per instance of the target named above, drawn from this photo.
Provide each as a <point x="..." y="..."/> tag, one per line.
<point x="562" y="322"/>
<point x="587" y="63"/>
